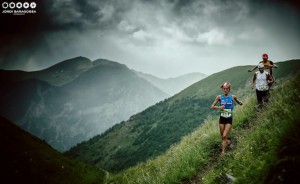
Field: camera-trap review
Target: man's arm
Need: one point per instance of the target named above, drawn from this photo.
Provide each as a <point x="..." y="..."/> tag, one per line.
<point x="270" y="79"/>
<point x="273" y="65"/>
<point x="253" y="81"/>
<point x="251" y="70"/>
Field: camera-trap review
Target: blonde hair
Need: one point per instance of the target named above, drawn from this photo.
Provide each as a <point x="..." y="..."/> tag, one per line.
<point x="226" y="84"/>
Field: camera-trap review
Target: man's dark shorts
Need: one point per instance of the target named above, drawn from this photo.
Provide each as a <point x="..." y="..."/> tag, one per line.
<point x="262" y="96"/>
<point x="225" y="121"/>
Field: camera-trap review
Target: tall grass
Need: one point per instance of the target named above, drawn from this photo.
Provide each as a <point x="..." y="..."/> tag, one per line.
<point x="196" y="157"/>
<point x="179" y="162"/>
<point x="259" y="144"/>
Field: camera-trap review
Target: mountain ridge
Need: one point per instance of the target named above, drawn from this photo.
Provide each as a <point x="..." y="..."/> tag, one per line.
<point x="175" y="84"/>
<point x="91" y="98"/>
<point x="197" y="161"/>
<point x="56" y="75"/>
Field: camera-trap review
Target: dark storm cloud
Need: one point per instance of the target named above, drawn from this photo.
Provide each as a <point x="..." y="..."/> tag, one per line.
<point x="149" y="33"/>
<point x="105" y="14"/>
<point x="22" y="35"/>
<point x="79" y="14"/>
<point x="233" y="16"/>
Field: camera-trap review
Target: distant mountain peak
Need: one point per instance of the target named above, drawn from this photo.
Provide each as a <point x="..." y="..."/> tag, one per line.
<point x="77" y="62"/>
<point x="105" y="62"/>
<point x="172" y="85"/>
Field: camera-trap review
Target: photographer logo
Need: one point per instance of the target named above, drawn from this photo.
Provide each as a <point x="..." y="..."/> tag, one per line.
<point x="32" y="5"/>
<point x="4" y="5"/>
<point x="26" y="5"/>
<point x="19" y="8"/>
<point x="19" y="5"/>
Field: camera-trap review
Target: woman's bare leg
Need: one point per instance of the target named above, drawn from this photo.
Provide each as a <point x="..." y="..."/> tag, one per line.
<point x="225" y="137"/>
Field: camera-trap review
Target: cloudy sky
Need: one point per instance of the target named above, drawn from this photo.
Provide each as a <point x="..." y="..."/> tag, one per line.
<point x="166" y="38"/>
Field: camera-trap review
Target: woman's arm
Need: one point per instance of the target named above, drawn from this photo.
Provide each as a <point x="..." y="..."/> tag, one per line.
<point x="214" y="105"/>
<point x="237" y="101"/>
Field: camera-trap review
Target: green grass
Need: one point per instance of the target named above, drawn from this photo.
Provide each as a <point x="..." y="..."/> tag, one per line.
<point x="259" y="142"/>
<point x="258" y="138"/>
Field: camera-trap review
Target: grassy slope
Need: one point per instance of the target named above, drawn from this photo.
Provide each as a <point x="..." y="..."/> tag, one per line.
<point x="27" y="159"/>
<point x="153" y="131"/>
<point x="264" y="147"/>
<point x="237" y="76"/>
<point x="262" y="141"/>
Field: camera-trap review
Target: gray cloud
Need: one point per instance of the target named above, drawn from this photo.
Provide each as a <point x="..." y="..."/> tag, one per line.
<point x="166" y="38"/>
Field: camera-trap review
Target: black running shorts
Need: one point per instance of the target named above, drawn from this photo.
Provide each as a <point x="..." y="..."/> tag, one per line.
<point x="225" y="120"/>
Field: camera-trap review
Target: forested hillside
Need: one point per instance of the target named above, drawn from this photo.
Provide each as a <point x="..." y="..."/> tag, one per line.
<point x="27" y="159"/>
<point x="151" y="132"/>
